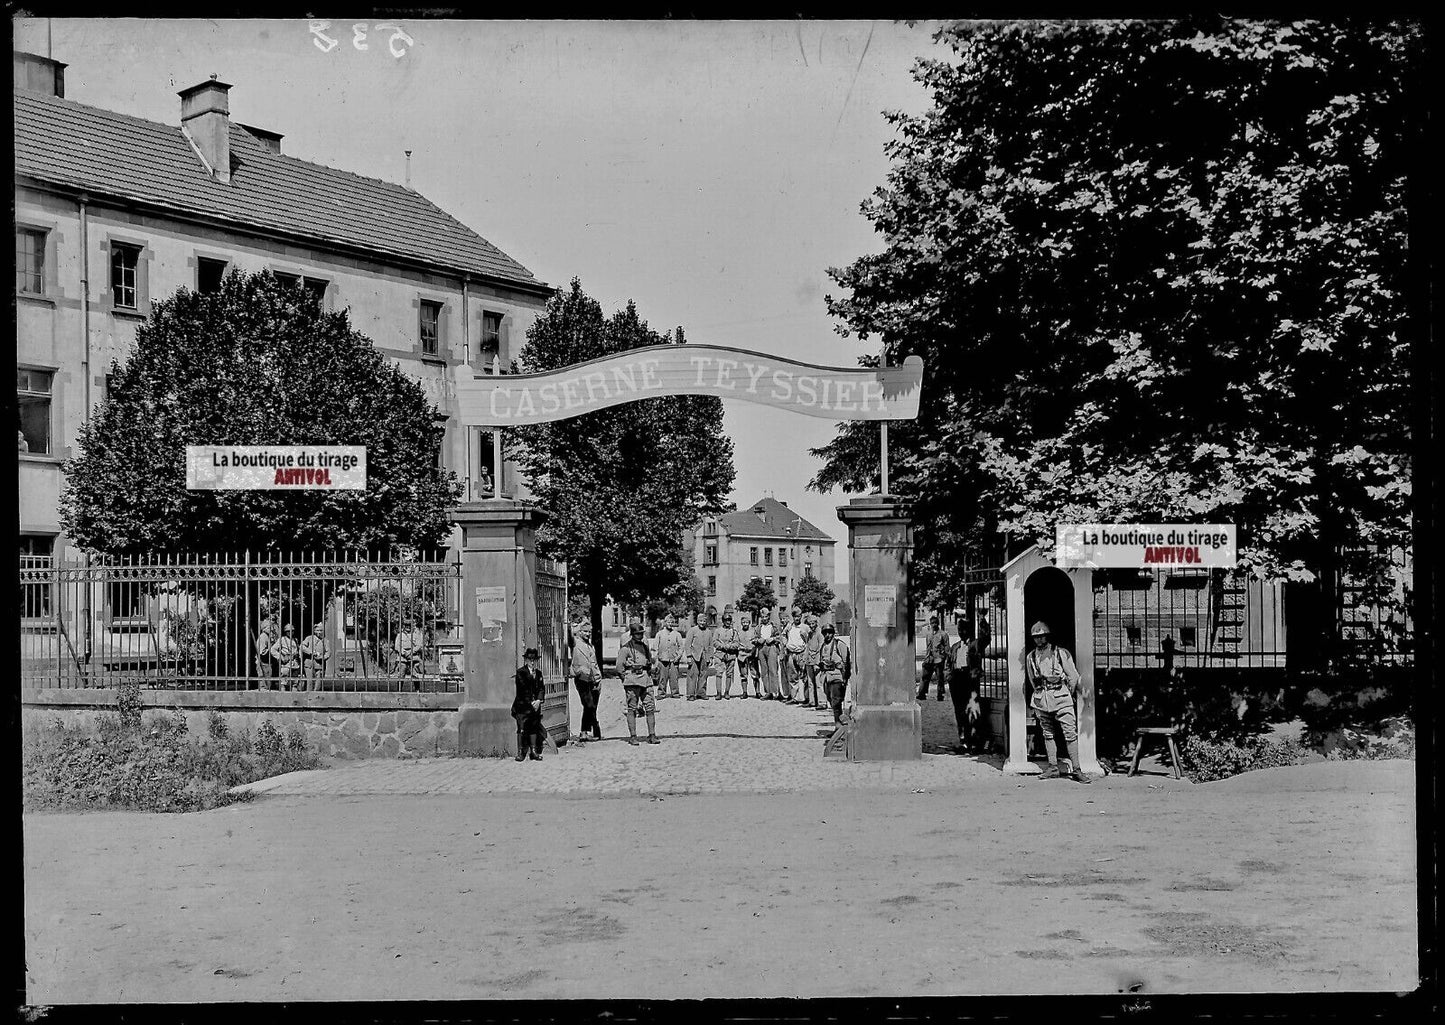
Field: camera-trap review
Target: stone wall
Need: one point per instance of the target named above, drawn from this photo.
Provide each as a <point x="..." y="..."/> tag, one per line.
<point x="346" y="726"/>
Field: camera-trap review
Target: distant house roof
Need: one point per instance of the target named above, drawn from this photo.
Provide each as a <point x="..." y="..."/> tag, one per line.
<point x="104" y="153"/>
<point x="775" y="520"/>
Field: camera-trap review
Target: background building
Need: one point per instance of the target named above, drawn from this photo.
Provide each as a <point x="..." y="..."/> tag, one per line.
<point x="113" y="212"/>
<point x="765" y="539"/>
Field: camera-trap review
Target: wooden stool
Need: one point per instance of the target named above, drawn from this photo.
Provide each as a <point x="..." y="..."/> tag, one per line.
<point x="1167" y="732"/>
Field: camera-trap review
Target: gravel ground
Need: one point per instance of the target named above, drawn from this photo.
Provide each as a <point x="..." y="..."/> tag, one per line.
<point x="1295" y="879"/>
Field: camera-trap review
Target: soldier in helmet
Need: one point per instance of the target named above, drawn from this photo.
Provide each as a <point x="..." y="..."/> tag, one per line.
<point x="1050" y="684"/>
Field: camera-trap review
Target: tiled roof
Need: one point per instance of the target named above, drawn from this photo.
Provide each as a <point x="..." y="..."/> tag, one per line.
<point x="774" y="522"/>
<point x="109" y="154"/>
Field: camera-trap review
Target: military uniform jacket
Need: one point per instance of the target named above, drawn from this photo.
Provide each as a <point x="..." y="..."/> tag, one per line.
<point x="1052" y="678"/>
<point x="729" y="641"/>
<point x="836" y="661"/>
<point x="634" y="662"/>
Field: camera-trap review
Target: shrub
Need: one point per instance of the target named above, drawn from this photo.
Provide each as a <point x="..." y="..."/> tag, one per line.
<point x="152" y="764"/>
<point x="1393" y="738"/>
<point x="1206" y="760"/>
<point x="216" y="727"/>
<point x="268" y="740"/>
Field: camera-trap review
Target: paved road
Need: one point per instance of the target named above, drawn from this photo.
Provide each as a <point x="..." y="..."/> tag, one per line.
<point x="708" y="747"/>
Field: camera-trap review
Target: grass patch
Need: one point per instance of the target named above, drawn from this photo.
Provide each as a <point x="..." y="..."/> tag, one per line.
<point x="149" y="762"/>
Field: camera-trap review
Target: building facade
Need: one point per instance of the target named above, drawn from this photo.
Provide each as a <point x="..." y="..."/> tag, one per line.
<point x="765" y="539"/>
<point x="115" y="212"/>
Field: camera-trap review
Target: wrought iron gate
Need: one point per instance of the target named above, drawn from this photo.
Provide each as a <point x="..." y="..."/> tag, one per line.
<point x="551" y="597"/>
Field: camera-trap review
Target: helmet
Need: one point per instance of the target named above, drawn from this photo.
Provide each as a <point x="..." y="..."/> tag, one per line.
<point x="1039" y="628"/>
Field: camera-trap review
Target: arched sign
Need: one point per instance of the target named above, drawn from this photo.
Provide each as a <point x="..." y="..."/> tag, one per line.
<point x="834" y="393"/>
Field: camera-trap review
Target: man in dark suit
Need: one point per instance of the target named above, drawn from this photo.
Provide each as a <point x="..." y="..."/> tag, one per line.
<point x="527" y="706"/>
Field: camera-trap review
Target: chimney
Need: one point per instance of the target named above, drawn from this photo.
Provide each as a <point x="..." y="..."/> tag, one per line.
<point x="271" y="140"/>
<point x="38" y="74"/>
<point x="206" y="121"/>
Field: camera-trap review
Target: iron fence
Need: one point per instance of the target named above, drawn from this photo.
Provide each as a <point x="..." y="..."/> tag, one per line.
<point x="245" y="620"/>
<point x="1373" y="602"/>
<point x="981" y="601"/>
<point x="1191" y="618"/>
<point x="551" y="601"/>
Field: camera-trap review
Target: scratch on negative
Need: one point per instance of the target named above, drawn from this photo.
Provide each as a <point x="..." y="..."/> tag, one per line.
<point x="849" y="93"/>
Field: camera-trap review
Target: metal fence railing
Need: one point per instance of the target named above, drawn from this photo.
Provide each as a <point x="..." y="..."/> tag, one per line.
<point x="1373" y="601"/>
<point x="1187" y="619"/>
<point x="980" y="593"/>
<point x="235" y="621"/>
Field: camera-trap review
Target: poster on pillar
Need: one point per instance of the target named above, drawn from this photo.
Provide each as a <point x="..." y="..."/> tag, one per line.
<point x="492" y="612"/>
<point x="880" y="605"/>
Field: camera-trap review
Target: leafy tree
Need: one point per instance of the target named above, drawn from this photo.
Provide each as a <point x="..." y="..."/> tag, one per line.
<point x="813" y="596"/>
<point x="1155" y="272"/>
<point x="842" y="611"/>
<point x="256" y="363"/>
<point x="623" y="483"/>
<point x="757" y="595"/>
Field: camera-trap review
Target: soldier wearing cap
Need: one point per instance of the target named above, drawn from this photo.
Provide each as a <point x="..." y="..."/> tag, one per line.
<point x="315" y="653"/>
<point x="286" y="652"/>
<point x="1050" y="683"/>
<point x="634" y="661"/>
<point x="699" y="654"/>
<point x="265" y="637"/>
<point x="729" y="642"/>
<point x="587" y="676"/>
<point x="527" y="706"/>
<point x="670" y="643"/>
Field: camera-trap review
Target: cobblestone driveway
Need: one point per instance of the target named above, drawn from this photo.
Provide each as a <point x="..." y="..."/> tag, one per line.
<point x="710" y="746"/>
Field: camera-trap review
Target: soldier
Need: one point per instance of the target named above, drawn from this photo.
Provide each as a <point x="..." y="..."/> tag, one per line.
<point x="770" y="637"/>
<point x="527" y="706"/>
<point x="835" y="665"/>
<point x="795" y="644"/>
<point x="964" y="679"/>
<point x="670" y="643"/>
<point x="587" y="677"/>
<point x="1050" y="684"/>
<point x="265" y="637"/>
<point x="315" y="653"/>
<point x="934" y="653"/>
<point x="811" y="662"/>
<point x="634" y="661"/>
<point x="748" y="655"/>
<point x="759" y="662"/>
<point x="409" y="644"/>
<point x="285" y="651"/>
<point x="699" y="653"/>
<point x="729" y="643"/>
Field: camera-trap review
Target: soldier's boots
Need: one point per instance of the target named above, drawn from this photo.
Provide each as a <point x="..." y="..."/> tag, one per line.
<point x="521" y="746"/>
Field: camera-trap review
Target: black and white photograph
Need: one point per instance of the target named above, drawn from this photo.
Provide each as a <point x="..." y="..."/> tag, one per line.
<point x="724" y="511"/>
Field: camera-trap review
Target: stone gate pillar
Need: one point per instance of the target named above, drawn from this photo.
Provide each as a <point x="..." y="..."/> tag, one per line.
<point x="888" y="724"/>
<point x="498" y="614"/>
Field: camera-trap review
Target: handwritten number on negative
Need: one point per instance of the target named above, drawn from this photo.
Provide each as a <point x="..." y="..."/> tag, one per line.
<point x="397" y="45"/>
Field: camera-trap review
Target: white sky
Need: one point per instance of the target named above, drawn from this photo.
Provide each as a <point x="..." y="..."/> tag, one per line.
<point x="712" y="171"/>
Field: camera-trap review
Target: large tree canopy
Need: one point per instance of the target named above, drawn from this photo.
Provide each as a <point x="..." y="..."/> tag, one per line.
<point x="256" y="363"/>
<point x="621" y="484"/>
<point x="1154" y="271"/>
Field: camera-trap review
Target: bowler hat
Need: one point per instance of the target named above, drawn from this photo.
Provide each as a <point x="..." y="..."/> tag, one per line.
<point x="531" y="653"/>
